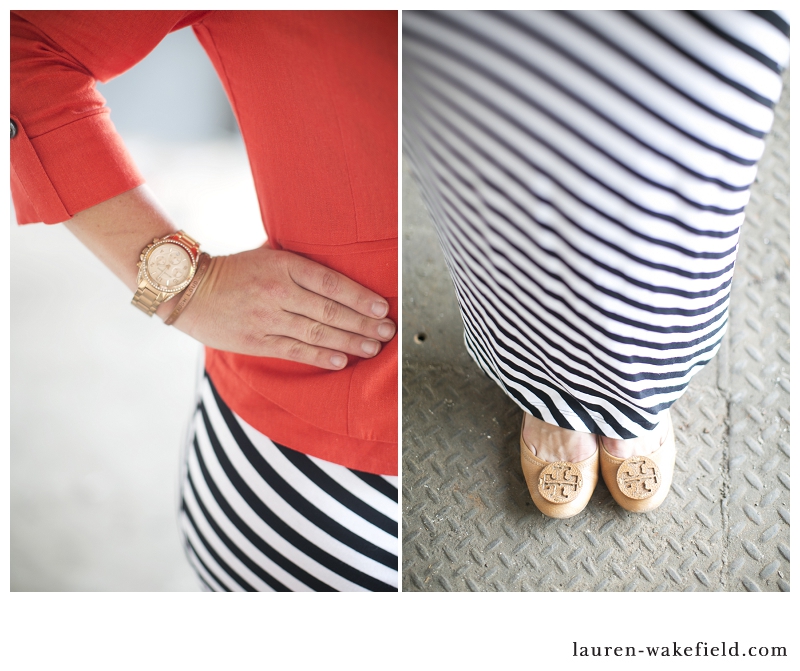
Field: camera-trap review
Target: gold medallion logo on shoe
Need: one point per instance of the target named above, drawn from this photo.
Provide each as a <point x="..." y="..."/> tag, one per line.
<point x="560" y="482"/>
<point x="638" y="477"/>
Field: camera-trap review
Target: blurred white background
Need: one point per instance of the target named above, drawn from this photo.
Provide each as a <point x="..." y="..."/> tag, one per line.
<point x="100" y="394"/>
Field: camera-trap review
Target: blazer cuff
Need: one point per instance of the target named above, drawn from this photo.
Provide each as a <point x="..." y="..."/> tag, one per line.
<point x="60" y="173"/>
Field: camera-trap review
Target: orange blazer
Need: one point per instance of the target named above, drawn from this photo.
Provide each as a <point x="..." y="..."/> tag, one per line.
<point x="315" y="94"/>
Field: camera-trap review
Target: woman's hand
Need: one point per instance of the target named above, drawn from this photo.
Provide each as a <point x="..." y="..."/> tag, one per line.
<point x="278" y="304"/>
<point x="262" y="302"/>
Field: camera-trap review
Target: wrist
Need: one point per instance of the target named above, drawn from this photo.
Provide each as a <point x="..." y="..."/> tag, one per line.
<point x="201" y="303"/>
<point x="204" y="263"/>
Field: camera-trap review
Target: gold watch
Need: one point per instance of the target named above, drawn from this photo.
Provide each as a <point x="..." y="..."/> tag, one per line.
<point x="166" y="267"/>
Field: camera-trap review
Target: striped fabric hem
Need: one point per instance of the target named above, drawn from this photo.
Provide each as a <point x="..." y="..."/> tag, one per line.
<point x="257" y="516"/>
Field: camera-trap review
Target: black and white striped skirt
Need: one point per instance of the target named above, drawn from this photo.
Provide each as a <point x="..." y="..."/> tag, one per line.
<point x="257" y="516"/>
<point x="587" y="173"/>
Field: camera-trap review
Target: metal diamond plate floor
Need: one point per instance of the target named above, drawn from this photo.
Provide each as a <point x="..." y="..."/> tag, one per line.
<point x="468" y="521"/>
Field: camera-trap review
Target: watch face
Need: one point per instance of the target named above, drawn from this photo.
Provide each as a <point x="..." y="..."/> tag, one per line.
<point x="168" y="266"/>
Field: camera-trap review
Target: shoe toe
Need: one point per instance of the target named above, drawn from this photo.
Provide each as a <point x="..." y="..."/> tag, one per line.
<point x="640" y="484"/>
<point x="559" y="489"/>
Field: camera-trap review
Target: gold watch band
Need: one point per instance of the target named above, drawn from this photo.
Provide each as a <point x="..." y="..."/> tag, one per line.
<point x="146" y="299"/>
<point x="189" y="241"/>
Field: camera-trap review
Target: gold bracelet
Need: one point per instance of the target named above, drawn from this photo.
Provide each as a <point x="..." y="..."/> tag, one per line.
<point x="203" y="265"/>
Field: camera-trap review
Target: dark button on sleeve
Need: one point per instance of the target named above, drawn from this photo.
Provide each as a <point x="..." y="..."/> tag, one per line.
<point x="13" y="130"/>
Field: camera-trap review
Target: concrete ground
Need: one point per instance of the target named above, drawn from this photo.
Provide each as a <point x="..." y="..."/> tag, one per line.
<point x="100" y="395"/>
<point x="468" y="521"/>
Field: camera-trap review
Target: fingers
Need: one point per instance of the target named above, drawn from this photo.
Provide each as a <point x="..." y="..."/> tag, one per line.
<point x="295" y="350"/>
<point x="329" y="311"/>
<point x="314" y="333"/>
<point x="330" y="284"/>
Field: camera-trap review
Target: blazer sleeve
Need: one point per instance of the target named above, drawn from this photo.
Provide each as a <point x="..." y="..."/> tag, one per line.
<point x="66" y="155"/>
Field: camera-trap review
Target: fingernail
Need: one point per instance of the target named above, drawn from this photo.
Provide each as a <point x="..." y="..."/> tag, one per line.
<point x="379" y="308"/>
<point x="386" y="330"/>
<point x="370" y="347"/>
<point x="338" y="360"/>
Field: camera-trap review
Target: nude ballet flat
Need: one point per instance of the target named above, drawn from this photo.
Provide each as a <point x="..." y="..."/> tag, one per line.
<point x="640" y="483"/>
<point x="559" y="489"/>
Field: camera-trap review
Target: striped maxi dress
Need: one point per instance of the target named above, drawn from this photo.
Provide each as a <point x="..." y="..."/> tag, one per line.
<point x="587" y="173"/>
